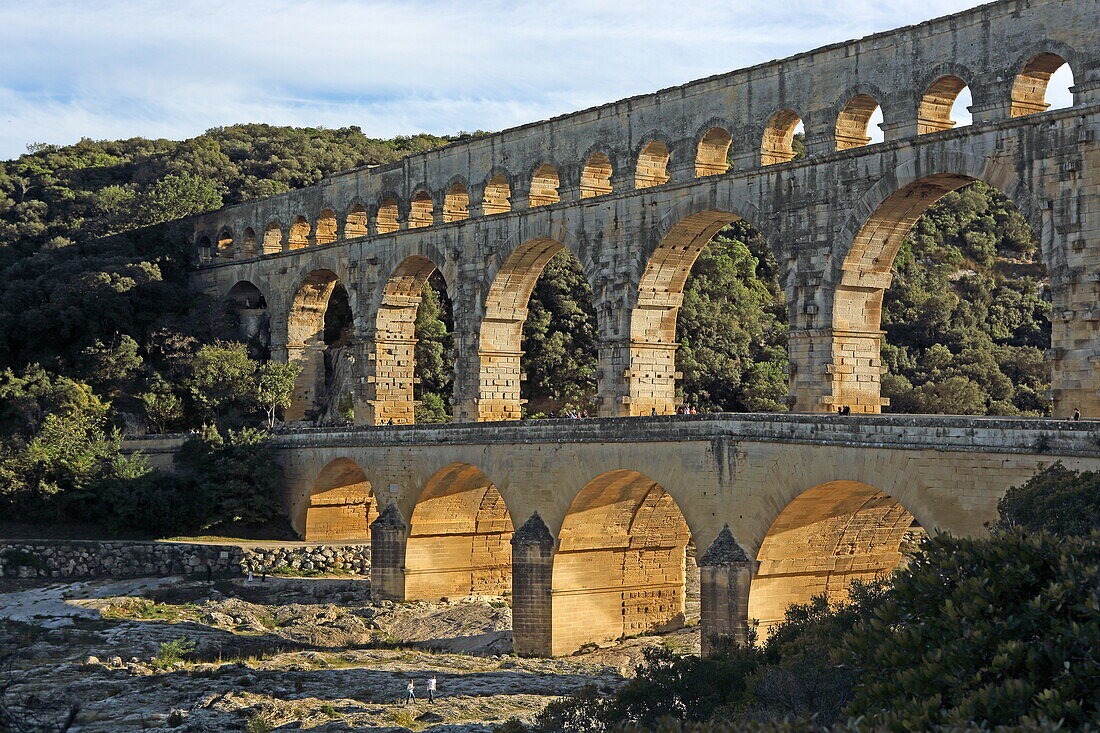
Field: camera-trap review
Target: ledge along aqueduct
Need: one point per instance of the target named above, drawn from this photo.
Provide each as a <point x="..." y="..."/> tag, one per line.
<point x="594" y="525"/>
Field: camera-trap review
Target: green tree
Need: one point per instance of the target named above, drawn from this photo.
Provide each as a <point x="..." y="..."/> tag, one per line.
<point x="273" y="386"/>
<point x="176" y="196"/>
<point x="1056" y="500"/>
<point x="220" y="375"/>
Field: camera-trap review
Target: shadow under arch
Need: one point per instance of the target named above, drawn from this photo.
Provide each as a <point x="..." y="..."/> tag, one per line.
<point x="620" y="565"/>
<point x="827" y="537"/>
<point x="499" y="371"/>
<point x="459" y="537"/>
<point x="391" y="369"/>
<point x="320" y="327"/>
<point x="248" y="318"/>
<point x="341" y="504"/>
<point x="887" y="215"/>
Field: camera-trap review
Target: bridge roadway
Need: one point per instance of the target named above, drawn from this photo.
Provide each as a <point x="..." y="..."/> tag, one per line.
<point x="596" y="527"/>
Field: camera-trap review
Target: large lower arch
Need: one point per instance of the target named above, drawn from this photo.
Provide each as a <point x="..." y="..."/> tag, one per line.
<point x="341" y="504"/>
<point x="459" y="533"/>
<point x="391" y="370"/>
<point x="320" y="329"/>
<point x="619" y="569"/>
<point x="499" y="373"/>
<point x="827" y="537"/>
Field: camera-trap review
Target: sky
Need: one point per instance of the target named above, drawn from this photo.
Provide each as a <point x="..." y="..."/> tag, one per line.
<point x="108" y="69"/>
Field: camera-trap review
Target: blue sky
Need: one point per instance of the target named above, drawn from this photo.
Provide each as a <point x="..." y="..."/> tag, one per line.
<point x="163" y="68"/>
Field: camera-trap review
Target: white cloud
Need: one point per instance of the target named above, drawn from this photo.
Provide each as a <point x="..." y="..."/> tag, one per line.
<point x="157" y="68"/>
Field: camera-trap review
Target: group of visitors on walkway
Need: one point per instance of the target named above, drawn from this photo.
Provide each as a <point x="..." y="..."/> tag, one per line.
<point x="429" y="687"/>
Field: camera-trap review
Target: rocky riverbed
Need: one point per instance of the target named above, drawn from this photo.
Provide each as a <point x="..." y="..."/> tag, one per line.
<point x="284" y="654"/>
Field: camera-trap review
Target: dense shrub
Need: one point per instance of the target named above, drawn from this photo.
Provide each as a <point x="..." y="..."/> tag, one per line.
<point x="1056" y="500"/>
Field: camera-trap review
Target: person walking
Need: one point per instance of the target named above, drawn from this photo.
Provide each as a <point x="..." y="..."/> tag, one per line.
<point x="410" y="692"/>
<point x="431" y="688"/>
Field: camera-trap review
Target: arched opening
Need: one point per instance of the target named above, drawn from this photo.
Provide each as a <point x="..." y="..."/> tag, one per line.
<point x="944" y="105"/>
<point x="596" y="176"/>
<point x="709" y="329"/>
<point x="205" y="248"/>
<point x="356" y="223"/>
<point x="496" y="197"/>
<point x="341" y="505"/>
<point x="712" y="157"/>
<point x="273" y="239"/>
<point x="225" y="244"/>
<point x="619" y="569"/>
<point x="853" y="124"/>
<point x="778" y="142"/>
<point x="320" y="328"/>
<point x="538" y="337"/>
<point x="829" y="536"/>
<point x="1030" y="89"/>
<point x="421" y="210"/>
<point x="299" y="233"/>
<point x="456" y="204"/>
<point x="652" y="167"/>
<point x="247" y="319"/>
<point x="387" y="220"/>
<point x="544" y="186"/>
<point x="250" y="243"/>
<point x="942" y="313"/>
<point x="459" y="538"/>
<point x="412" y="350"/>
<point x="326" y="227"/>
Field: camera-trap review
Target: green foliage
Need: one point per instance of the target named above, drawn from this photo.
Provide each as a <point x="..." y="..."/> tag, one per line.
<point x="732" y="327"/>
<point x="172" y="653"/>
<point x="999" y="631"/>
<point x="1056" y="500"/>
<point x="559" y="339"/>
<point x="966" y="317"/>
<point x="434" y="352"/>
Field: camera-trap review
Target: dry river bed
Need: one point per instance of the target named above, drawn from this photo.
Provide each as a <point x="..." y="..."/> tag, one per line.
<point x="284" y="654"/>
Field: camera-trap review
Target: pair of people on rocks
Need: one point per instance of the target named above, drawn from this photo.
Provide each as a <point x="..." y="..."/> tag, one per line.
<point x="429" y="687"/>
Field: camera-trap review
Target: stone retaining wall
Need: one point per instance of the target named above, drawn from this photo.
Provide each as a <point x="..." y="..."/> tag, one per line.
<point x="120" y="559"/>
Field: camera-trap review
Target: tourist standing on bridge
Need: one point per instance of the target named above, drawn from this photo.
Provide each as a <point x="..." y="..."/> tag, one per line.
<point x="1076" y="415"/>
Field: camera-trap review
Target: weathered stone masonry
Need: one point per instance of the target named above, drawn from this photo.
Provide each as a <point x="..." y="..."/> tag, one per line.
<point x="635" y="189"/>
<point x="603" y="510"/>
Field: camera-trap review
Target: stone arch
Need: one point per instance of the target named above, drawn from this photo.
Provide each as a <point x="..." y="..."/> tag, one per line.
<point x="421" y="210"/>
<point x="934" y="108"/>
<point x="880" y="224"/>
<point x="652" y="166"/>
<point x="619" y="569"/>
<point x="827" y="537"/>
<point x="1029" y="89"/>
<point x="299" y="233"/>
<point x="459" y="534"/>
<point x="317" y="339"/>
<point x="500" y="336"/>
<point x="341" y="504"/>
<point x="853" y="121"/>
<point x="777" y="142"/>
<point x="273" y="238"/>
<point x="355" y="223"/>
<point x="392" y="368"/>
<point x="205" y="247"/>
<point x="495" y="198"/>
<point x="388" y="218"/>
<point x="326" y="227"/>
<point x="596" y="176"/>
<point x="712" y="154"/>
<point x="226" y="249"/>
<point x="249" y="242"/>
<point x="246" y="308"/>
<point x="651" y="354"/>
<point x="456" y="203"/>
<point x="544" y="186"/>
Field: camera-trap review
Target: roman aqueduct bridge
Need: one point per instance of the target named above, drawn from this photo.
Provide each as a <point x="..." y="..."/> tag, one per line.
<point x="588" y="523"/>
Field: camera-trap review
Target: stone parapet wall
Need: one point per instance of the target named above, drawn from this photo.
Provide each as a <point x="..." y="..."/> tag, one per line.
<point x="120" y="559"/>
